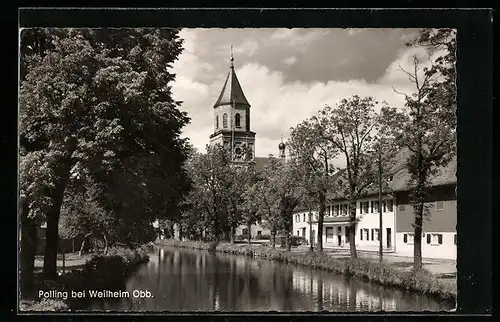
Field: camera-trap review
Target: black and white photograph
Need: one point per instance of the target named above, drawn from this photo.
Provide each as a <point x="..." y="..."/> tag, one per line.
<point x="237" y="169"/>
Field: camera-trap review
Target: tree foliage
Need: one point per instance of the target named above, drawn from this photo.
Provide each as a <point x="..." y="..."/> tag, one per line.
<point x="96" y="104"/>
<point x="313" y="153"/>
<point x="427" y="127"/>
<point x="350" y="127"/>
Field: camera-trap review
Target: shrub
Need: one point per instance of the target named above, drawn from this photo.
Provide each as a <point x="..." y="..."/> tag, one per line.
<point x="45" y="305"/>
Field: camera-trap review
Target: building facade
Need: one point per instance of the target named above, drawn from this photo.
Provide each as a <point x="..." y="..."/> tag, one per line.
<point x="439" y="226"/>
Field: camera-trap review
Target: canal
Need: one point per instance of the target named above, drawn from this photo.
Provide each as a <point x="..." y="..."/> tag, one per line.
<point x="190" y="280"/>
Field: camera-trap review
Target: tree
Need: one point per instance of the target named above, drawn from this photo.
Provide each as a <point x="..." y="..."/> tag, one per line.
<point x="283" y="191"/>
<point x="265" y="205"/>
<point x="210" y="174"/>
<point x="97" y="98"/>
<point x="250" y="204"/>
<point x="384" y="153"/>
<point x="349" y="128"/>
<point x="427" y="126"/>
<point x="312" y="154"/>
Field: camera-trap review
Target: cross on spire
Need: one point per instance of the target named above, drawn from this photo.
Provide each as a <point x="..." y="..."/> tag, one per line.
<point x="232" y="58"/>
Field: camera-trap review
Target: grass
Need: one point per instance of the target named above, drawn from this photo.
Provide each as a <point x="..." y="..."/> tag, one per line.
<point x="100" y="272"/>
<point x="421" y="281"/>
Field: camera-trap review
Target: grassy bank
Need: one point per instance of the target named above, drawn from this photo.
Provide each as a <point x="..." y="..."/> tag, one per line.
<point x="418" y="281"/>
<point x="100" y="272"/>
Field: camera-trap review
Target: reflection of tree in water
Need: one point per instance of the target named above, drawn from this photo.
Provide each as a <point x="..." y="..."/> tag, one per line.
<point x="183" y="280"/>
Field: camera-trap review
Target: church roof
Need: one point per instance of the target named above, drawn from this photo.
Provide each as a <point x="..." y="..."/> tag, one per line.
<point x="231" y="91"/>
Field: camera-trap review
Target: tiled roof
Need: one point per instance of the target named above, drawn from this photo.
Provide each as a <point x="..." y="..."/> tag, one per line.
<point x="231" y="91"/>
<point x="445" y="175"/>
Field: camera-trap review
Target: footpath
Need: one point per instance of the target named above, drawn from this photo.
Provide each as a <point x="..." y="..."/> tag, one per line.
<point x="444" y="269"/>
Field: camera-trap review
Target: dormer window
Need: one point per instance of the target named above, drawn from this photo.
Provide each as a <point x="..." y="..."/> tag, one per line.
<point x="237" y="120"/>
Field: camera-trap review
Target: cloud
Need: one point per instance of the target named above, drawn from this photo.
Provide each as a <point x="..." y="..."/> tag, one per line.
<point x="279" y="101"/>
<point x="249" y="48"/>
<point x="290" y="60"/>
<point x="298" y="37"/>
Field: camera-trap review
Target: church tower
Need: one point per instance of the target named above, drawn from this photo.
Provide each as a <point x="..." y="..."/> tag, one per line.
<point x="232" y="120"/>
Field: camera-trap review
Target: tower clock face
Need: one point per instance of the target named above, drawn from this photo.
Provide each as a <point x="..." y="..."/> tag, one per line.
<point x="238" y="153"/>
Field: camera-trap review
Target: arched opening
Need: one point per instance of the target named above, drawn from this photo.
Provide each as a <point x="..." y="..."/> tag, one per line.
<point x="224" y="120"/>
<point x="237" y="120"/>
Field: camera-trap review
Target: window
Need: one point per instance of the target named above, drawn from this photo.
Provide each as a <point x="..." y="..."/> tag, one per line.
<point x="361" y="234"/>
<point x="237" y="120"/>
<point x="329" y="234"/>
<point x="372" y="233"/>
<point x="436" y="239"/>
<point x="408" y="238"/>
<point x="224" y="120"/>
<point x="455" y="239"/>
<point x="298" y="233"/>
<point x="297" y="218"/>
<point x="259" y="233"/>
<point x="217" y="121"/>
<point x="384" y="205"/>
<point x="365" y="207"/>
<point x="375" y="206"/>
<point x="391" y="178"/>
<point x="371" y="208"/>
<point x="429" y="238"/>
<point x="329" y="210"/>
<point x="304" y="217"/>
<point x="377" y="235"/>
<point x="345" y="209"/>
<point x="390" y="204"/>
<point x="401" y="207"/>
<point x="439" y="205"/>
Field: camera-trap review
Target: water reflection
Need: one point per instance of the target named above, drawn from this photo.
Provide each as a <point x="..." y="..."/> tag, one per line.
<point x="185" y="280"/>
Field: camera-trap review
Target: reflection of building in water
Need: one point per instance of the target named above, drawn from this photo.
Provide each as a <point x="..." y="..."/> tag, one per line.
<point x="340" y="294"/>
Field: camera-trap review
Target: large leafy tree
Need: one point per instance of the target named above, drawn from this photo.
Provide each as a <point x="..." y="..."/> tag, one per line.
<point x="208" y="200"/>
<point x="96" y="101"/>
<point x="349" y="127"/>
<point x="280" y="192"/>
<point x="249" y="206"/>
<point x="312" y="154"/>
<point x="427" y="125"/>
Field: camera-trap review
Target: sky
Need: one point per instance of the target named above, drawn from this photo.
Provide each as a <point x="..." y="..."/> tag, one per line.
<point x="288" y="75"/>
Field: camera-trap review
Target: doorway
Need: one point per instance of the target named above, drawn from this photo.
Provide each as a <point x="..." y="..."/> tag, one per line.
<point x="339" y="235"/>
<point x="389" y="238"/>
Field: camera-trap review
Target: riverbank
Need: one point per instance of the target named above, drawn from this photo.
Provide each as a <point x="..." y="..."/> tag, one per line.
<point x="380" y="273"/>
<point x="98" y="273"/>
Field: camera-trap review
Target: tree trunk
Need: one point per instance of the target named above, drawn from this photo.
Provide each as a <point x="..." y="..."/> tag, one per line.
<point x="28" y="249"/>
<point x="249" y="233"/>
<point x="233" y="232"/>
<point x="417" y="239"/>
<point x="105" y="243"/>
<point x="52" y="236"/>
<point x="84" y="241"/>
<point x="352" y="232"/>
<point x="311" y="237"/>
<point x="322" y="207"/>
